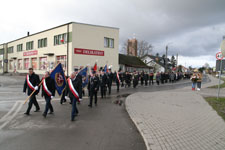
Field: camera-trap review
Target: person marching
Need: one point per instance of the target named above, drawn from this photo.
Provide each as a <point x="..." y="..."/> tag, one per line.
<point x="63" y="99"/>
<point x="74" y="89"/>
<point x="117" y="79"/>
<point x="103" y="81"/>
<point x="31" y="84"/>
<point x="135" y="79"/>
<point x="110" y="78"/>
<point x="48" y="91"/>
<point x="93" y="87"/>
<point x="146" y="77"/>
<point x="151" y="76"/>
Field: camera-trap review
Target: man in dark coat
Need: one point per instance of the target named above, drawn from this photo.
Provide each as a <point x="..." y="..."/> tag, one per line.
<point x="93" y="87"/>
<point x="110" y="79"/>
<point x="142" y="77"/>
<point x="146" y="78"/>
<point x="117" y="79"/>
<point x="31" y="83"/>
<point x="135" y="80"/>
<point x="74" y="89"/>
<point x="103" y="82"/>
<point x="48" y="91"/>
<point x="151" y="76"/>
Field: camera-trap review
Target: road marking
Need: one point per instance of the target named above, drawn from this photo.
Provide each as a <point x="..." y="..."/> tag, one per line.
<point x="10" y="118"/>
<point x="9" y="112"/>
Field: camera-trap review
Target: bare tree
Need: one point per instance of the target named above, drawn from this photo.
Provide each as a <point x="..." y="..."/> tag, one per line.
<point x="124" y="47"/>
<point x="144" y="48"/>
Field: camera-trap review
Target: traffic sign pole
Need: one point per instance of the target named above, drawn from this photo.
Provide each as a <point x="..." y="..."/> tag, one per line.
<point x="221" y="63"/>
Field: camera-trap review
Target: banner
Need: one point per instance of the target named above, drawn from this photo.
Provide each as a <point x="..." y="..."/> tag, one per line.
<point x="84" y="75"/>
<point x="58" y="76"/>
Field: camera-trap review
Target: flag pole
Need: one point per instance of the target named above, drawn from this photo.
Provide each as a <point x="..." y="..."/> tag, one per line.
<point x="38" y="86"/>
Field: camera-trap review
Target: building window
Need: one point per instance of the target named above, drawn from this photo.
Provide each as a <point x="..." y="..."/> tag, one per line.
<point x="19" y="47"/>
<point x="62" y="60"/>
<point x="30" y="45"/>
<point x="34" y="63"/>
<point x="111" y="43"/>
<point x="10" y="49"/>
<point x="60" y="39"/>
<point x="19" y="64"/>
<point x="43" y="63"/>
<point x="26" y="64"/>
<point x="108" y="42"/>
<point x="11" y="65"/>
<point x="42" y="43"/>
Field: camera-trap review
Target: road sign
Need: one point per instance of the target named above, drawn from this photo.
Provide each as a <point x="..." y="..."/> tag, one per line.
<point x="219" y="56"/>
<point x="222" y="46"/>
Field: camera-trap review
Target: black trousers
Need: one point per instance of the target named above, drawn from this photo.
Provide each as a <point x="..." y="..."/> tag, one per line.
<point x="103" y="91"/>
<point x="74" y="106"/>
<point x="93" y="93"/>
<point x="109" y="87"/>
<point x="151" y="82"/>
<point x="48" y="105"/>
<point x="63" y="97"/>
<point x="32" y="101"/>
<point x="146" y="82"/>
<point x="118" y="86"/>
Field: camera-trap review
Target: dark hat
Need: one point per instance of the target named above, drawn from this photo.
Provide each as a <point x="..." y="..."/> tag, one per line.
<point x="75" y="69"/>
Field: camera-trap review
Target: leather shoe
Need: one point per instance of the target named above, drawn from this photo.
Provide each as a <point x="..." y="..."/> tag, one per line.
<point x="26" y="114"/>
<point x="44" y="115"/>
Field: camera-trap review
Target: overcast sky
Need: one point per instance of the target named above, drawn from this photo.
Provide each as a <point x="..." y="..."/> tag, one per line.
<point x="192" y="28"/>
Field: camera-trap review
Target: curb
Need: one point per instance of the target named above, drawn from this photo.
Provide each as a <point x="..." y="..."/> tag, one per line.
<point x="137" y="126"/>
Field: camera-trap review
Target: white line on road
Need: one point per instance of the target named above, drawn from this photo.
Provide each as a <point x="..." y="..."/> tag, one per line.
<point x="12" y="116"/>
<point x="9" y="112"/>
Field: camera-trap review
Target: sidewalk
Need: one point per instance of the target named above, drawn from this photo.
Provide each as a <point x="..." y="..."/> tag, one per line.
<point x="178" y="120"/>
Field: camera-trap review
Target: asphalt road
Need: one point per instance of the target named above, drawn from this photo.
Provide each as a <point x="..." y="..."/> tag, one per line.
<point x="106" y="126"/>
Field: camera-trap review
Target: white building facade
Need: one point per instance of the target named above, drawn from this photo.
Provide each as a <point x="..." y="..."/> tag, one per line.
<point x="74" y="45"/>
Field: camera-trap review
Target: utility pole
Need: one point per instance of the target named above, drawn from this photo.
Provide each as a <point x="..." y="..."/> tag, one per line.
<point x="166" y="58"/>
<point x="177" y="61"/>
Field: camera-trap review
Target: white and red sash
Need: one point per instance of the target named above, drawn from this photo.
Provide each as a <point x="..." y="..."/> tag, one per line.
<point x="46" y="88"/>
<point x="72" y="89"/>
<point x="118" y="77"/>
<point x="29" y="83"/>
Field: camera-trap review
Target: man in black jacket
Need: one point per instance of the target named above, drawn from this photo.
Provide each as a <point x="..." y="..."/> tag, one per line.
<point x="93" y="87"/>
<point x="110" y="79"/>
<point x="48" y="91"/>
<point x="103" y="81"/>
<point x="31" y="83"/>
<point x="74" y="89"/>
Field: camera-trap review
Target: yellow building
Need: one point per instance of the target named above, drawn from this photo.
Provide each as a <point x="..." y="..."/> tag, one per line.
<point x="73" y="44"/>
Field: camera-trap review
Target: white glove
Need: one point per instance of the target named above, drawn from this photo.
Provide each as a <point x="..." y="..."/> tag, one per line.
<point x="36" y="88"/>
<point x="52" y="97"/>
<point x="80" y="99"/>
<point x="24" y="93"/>
<point x="66" y="97"/>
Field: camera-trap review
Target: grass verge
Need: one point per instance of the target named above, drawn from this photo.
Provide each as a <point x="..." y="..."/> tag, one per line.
<point x="218" y="105"/>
